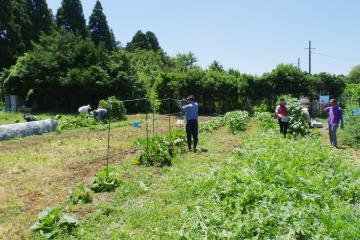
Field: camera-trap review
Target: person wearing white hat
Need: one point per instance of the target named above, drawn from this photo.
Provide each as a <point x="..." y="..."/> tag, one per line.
<point x="84" y="109"/>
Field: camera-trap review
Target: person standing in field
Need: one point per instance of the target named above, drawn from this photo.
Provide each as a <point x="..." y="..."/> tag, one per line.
<point x="281" y="112"/>
<point x="335" y="116"/>
<point x="191" y="114"/>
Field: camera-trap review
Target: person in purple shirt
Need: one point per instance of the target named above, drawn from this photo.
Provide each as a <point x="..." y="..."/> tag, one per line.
<point x="334" y="119"/>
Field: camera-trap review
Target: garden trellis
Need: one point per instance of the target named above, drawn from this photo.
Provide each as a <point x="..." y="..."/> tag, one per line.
<point x="148" y="110"/>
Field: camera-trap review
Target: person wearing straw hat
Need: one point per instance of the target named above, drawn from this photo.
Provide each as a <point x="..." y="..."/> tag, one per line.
<point x="191" y="115"/>
<point x="334" y="119"/>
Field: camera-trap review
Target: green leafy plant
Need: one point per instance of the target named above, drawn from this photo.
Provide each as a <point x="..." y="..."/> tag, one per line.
<point x="352" y="95"/>
<point x="351" y="133"/>
<point x="261" y="108"/>
<point x="212" y="125"/>
<point x="81" y="194"/>
<point x="266" y="120"/>
<point x="115" y="107"/>
<point x="78" y="121"/>
<point x="52" y="222"/>
<point x="236" y="120"/>
<point x="298" y="124"/>
<point x="106" y="181"/>
<point x="160" y="150"/>
<point x="278" y="188"/>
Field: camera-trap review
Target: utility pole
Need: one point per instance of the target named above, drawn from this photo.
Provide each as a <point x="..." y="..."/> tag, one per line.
<point x="309" y="48"/>
<point x="299" y="63"/>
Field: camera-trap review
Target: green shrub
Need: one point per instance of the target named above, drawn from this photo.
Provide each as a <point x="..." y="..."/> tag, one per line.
<point x="236" y="120"/>
<point x="106" y="181"/>
<point x="160" y="150"/>
<point x="81" y="194"/>
<point x="278" y="188"/>
<point x="298" y="124"/>
<point x="212" y="125"/>
<point x="116" y="109"/>
<point x="351" y="132"/>
<point x="266" y="120"/>
<point x="52" y="222"/>
<point x="352" y="95"/>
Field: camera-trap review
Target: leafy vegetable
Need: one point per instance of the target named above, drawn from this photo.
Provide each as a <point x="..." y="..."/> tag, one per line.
<point x="266" y="120"/>
<point x="236" y="120"/>
<point x="81" y="194"/>
<point x="278" y="188"/>
<point x="52" y="221"/>
<point x="212" y="125"/>
<point x="160" y="150"/>
<point x="106" y="181"/>
<point x="78" y="121"/>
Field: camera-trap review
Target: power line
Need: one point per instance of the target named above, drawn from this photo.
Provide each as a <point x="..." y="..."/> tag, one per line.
<point x="336" y="57"/>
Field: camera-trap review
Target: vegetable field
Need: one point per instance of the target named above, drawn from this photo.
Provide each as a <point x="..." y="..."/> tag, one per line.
<point x="247" y="182"/>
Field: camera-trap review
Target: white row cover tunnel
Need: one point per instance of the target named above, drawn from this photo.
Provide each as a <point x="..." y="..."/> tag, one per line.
<point x="10" y="131"/>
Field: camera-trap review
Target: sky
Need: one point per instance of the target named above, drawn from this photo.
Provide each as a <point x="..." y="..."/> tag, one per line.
<point x="253" y="36"/>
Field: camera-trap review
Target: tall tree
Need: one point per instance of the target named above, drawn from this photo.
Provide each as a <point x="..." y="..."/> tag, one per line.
<point x="70" y="16"/>
<point x="15" y="31"/>
<point x="216" y="66"/>
<point x="40" y="17"/>
<point x="99" y="28"/>
<point x="152" y="41"/>
<point x="139" y="41"/>
<point x="143" y="41"/>
<point x="354" y="75"/>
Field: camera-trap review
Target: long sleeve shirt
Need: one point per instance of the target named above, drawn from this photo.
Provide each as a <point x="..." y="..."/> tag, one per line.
<point x="335" y="115"/>
<point x="191" y="111"/>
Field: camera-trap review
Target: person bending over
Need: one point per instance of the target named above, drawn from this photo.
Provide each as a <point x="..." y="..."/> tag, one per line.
<point x="100" y="114"/>
<point x="84" y="109"/>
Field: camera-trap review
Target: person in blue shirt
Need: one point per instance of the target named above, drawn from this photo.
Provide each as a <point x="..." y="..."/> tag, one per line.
<point x="191" y="115"/>
<point x="100" y="114"/>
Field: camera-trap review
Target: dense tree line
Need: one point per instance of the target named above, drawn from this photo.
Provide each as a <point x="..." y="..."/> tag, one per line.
<point x="61" y="63"/>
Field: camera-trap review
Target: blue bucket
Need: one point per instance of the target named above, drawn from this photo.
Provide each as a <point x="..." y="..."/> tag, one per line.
<point x="136" y="124"/>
